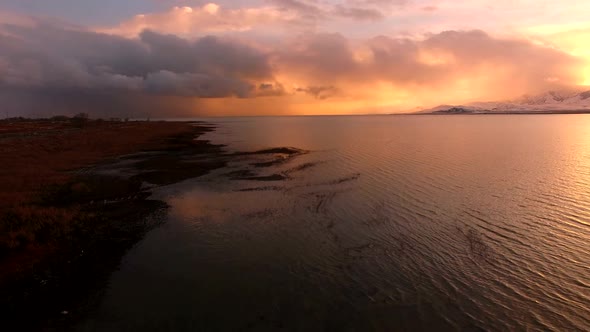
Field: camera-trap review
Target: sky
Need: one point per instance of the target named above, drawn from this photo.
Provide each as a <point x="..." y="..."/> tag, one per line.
<point x="169" y="58"/>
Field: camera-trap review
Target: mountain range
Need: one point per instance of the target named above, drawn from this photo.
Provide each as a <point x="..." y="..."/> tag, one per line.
<point x="563" y="101"/>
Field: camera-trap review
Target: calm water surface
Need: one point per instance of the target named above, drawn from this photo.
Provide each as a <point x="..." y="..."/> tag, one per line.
<point x="389" y="223"/>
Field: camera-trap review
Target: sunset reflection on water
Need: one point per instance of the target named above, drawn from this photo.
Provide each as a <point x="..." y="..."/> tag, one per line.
<point x="400" y="222"/>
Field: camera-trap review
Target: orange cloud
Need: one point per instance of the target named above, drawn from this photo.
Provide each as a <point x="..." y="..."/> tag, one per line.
<point x="197" y="21"/>
<point x="574" y="42"/>
<point x="453" y="66"/>
<point x="212" y="60"/>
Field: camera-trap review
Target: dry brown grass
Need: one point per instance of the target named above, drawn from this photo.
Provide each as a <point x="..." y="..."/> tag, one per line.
<point x="42" y="154"/>
<point x="36" y="155"/>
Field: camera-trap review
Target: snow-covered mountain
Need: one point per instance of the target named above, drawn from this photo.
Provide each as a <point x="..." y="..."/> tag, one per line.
<point x="549" y="102"/>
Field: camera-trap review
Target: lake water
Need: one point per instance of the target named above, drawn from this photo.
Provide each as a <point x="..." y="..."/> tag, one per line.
<point x="389" y="223"/>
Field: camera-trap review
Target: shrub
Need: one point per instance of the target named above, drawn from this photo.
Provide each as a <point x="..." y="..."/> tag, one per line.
<point x="80" y="119"/>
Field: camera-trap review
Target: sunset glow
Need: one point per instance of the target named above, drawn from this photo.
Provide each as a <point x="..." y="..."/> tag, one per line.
<point x="295" y="165"/>
<point x="305" y="57"/>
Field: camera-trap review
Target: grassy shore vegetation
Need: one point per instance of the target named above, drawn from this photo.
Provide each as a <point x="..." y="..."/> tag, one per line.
<point x="61" y="222"/>
<point x="73" y="199"/>
<point x="38" y="198"/>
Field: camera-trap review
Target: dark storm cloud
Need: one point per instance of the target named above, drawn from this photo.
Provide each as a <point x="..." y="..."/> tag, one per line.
<point x="59" y="68"/>
<point x="271" y="89"/>
<point x="319" y="92"/>
<point x="53" y="57"/>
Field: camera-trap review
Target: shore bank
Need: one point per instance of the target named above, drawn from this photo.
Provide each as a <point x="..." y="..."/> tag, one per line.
<point x="74" y="198"/>
<point x="63" y="225"/>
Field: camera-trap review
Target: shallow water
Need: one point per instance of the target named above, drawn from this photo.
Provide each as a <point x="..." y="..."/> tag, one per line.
<point x="389" y="223"/>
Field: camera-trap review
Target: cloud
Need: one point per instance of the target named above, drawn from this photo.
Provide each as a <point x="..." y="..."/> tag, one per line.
<point x="360" y="14"/>
<point x="429" y="8"/>
<point x="379" y="3"/>
<point x="305" y="9"/>
<point x="55" y="57"/>
<point x="313" y="10"/>
<point x="319" y="92"/>
<point x="49" y="61"/>
<point x="451" y="64"/>
<point x="271" y="89"/>
<point x="206" y="19"/>
<point x="53" y="67"/>
<point x="277" y="16"/>
<point x="194" y="85"/>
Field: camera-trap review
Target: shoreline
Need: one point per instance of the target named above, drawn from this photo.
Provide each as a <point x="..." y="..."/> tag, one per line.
<point x="96" y="207"/>
<point x="573" y="112"/>
<point x="75" y="226"/>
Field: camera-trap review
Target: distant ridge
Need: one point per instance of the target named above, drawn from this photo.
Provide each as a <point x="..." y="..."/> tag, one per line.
<point x="565" y="101"/>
